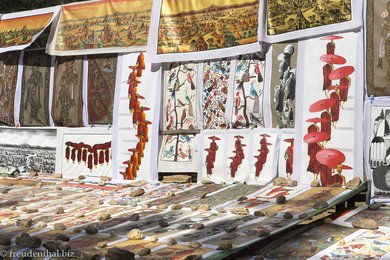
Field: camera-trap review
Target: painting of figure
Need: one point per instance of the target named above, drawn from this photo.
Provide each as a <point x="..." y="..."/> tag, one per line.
<point x="34" y="106"/>
<point x="332" y="108"/>
<point x="248" y="92"/>
<point x="107" y="25"/>
<point x="101" y="88"/>
<point x="378" y="47"/>
<point x="180" y="96"/>
<point x="283" y="84"/>
<point x="8" y="74"/>
<point x="287" y="16"/>
<point x="67" y="108"/>
<point x="188" y="26"/>
<point x="213" y="156"/>
<point x="286" y="154"/>
<point x="216" y="75"/>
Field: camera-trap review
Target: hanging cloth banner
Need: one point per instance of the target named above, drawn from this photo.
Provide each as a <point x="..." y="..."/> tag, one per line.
<point x="185" y="30"/>
<point x="107" y="26"/>
<point x="19" y="30"/>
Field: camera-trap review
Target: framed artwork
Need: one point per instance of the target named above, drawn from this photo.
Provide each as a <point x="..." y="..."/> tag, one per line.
<point x="377" y="28"/>
<point x="229" y="28"/>
<point x="112" y="27"/>
<point x="248" y="92"/>
<point x="8" y="73"/>
<point x="282" y="78"/>
<point x="34" y="104"/>
<point x="330" y="123"/>
<point x="381" y="216"/>
<point x="101" y="88"/>
<point x="284" y="21"/>
<point x="67" y="104"/>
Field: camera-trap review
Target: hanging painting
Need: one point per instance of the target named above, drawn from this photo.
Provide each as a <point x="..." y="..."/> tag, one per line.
<point x="101" y="88"/>
<point x="34" y="104"/>
<point x="331" y="136"/>
<point x="25" y="150"/>
<point x="378" y="153"/>
<point x="213" y="156"/>
<point x="263" y="156"/>
<point x="378" y="47"/>
<point x="237" y="144"/>
<point x="286" y="21"/>
<point x="180" y="96"/>
<point x="286" y="154"/>
<point x="19" y="30"/>
<point x="67" y="104"/>
<point x="85" y="153"/>
<point x="248" y="92"/>
<point x="215" y="93"/>
<point x="228" y="28"/>
<point x="106" y="26"/>
<point x="283" y="74"/>
<point x="8" y="74"/>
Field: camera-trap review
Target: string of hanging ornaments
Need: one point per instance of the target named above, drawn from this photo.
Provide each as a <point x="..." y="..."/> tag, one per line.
<point x="138" y="118"/>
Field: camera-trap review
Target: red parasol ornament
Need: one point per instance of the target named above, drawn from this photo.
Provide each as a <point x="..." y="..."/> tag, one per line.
<point x="330" y="157"/>
<point x="333" y="59"/>
<point x="289" y="140"/>
<point x="317" y="120"/>
<point x="214" y="138"/>
<point x="342" y="72"/>
<point x="321" y="105"/>
<point x="331" y="37"/>
<point x="316" y="137"/>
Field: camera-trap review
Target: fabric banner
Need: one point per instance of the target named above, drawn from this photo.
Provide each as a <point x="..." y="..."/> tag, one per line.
<point x="8" y="74"/>
<point x="19" y="30"/>
<point x="101" y="88"/>
<point x="377" y="47"/>
<point x="330" y="128"/>
<point x="34" y="104"/>
<point x="180" y="96"/>
<point x="303" y="19"/>
<point x="27" y="150"/>
<point x="106" y="26"/>
<point x="248" y="92"/>
<point x="215" y="93"/>
<point x="67" y="108"/>
<point x="203" y="29"/>
<point x="85" y="153"/>
<point x="281" y="75"/>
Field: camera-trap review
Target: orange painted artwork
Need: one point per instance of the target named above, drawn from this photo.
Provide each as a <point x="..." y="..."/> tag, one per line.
<point x="103" y="24"/>
<point x="193" y="26"/>
<point x="21" y="30"/>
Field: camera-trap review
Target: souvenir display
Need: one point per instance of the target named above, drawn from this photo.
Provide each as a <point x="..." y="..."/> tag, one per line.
<point x="188" y="30"/>
<point x="34" y="104"/>
<point x="282" y="73"/>
<point x="107" y="26"/>
<point x="331" y="126"/>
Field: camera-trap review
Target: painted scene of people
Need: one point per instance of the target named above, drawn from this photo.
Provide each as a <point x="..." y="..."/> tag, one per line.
<point x="103" y="24"/>
<point x="286" y="16"/>
<point x="191" y="26"/>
